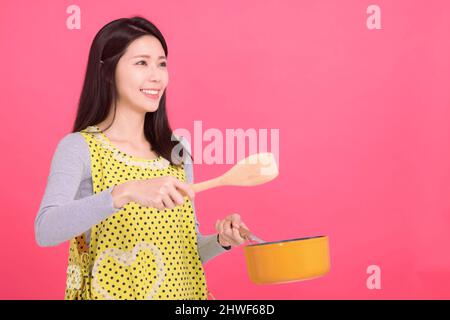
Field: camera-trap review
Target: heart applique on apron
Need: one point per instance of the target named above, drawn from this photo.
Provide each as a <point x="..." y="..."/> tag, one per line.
<point x="123" y="260"/>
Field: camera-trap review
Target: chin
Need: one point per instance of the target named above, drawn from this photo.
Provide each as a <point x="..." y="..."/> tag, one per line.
<point x="151" y="108"/>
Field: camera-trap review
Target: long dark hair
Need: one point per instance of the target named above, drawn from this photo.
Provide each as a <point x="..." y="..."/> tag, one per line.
<point x="99" y="89"/>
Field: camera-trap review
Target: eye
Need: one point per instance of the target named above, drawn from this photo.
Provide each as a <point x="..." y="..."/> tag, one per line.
<point x="141" y="61"/>
<point x="164" y="64"/>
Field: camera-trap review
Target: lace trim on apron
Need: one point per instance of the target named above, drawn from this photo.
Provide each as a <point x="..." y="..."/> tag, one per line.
<point x="159" y="163"/>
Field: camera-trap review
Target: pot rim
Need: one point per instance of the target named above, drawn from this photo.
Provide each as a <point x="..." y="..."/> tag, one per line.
<point x="282" y="241"/>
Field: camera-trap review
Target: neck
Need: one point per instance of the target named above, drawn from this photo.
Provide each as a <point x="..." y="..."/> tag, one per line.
<point x="128" y="124"/>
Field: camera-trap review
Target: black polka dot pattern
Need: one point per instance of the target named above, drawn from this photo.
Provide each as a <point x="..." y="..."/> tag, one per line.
<point x="139" y="252"/>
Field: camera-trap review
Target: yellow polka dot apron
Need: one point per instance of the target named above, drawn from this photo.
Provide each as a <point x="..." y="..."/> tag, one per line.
<point x="137" y="252"/>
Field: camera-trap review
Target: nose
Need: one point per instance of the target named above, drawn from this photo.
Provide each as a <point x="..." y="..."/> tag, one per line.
<point x="154" y="74"/>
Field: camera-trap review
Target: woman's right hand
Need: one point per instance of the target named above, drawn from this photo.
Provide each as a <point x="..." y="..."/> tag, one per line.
<point x="159" y="193"/>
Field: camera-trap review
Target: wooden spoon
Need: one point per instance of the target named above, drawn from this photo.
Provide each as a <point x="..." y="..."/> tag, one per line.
<point x="247" y="234"/>
<point x="256" y="169"/>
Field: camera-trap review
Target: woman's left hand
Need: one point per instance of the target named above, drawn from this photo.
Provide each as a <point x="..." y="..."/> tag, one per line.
<point x="228" y="230"/>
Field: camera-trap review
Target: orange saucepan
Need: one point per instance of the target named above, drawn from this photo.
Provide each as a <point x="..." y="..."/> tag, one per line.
<point x="288" y="260"/>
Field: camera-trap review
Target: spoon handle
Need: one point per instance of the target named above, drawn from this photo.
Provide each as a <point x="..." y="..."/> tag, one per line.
<point x="246" y="234"/>
<point x="208" y="184"/>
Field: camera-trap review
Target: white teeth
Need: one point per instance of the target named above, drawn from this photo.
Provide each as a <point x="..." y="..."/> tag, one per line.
<point x="150" y="91"/>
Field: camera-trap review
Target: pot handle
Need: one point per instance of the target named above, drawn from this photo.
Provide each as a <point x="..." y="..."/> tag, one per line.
<point x="246" y="234"/>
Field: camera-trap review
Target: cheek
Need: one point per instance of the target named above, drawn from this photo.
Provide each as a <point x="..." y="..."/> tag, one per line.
<point x="165" y="79"/>
<point x="127" y="88"/>
<point x="127" y="82"/>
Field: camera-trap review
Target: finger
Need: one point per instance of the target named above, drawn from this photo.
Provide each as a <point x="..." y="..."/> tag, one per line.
<point x="176" y="197"/>
<point x="185" y="188"/>
<point x="242" y="224"/>
<point x="217" y="226"/>
<point x="235" y="220"/>
<point x="237" y="237"/>
<point x="221" y="226"/>
<point x="158" y="205"/>
<point x="227" y="231"/>
<point x="227" y="227"/>
<point x="167" y="201"/>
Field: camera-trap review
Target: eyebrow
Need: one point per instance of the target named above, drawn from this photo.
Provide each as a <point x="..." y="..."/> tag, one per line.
<point x="147" y="56"/>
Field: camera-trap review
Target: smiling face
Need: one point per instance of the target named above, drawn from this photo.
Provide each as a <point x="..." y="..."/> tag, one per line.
<point x="141" y="70"/>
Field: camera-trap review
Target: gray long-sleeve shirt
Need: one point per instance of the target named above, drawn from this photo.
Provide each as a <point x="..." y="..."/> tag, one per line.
<point x="69" y="207"/>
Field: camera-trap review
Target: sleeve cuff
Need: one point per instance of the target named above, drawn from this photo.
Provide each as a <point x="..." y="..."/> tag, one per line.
<point x="224" y="247"/>
<point x="111" y="200"/>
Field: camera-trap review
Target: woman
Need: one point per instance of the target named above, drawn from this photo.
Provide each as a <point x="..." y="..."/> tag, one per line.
<point x="117" y="185"/>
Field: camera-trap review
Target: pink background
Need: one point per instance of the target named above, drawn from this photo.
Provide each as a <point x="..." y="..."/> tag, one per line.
<point x="363" y="118"/>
